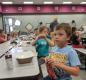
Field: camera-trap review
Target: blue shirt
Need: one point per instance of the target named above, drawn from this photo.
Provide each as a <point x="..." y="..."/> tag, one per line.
<point x="42" y="47"/>
<point x="67" y="55"/>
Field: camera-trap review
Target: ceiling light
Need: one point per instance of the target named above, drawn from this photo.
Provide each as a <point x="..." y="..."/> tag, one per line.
<point x="83" y="3"/>
<point x="49" y="2"/>
<point x="7" y="2"/>
<point x="67" y="2"/>
<point x="28" y="2"/>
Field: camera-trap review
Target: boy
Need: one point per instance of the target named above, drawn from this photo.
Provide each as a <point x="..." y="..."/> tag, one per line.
<point x="63" y="71"/>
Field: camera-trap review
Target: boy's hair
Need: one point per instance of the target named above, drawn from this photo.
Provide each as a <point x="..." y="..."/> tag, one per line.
<point x="35" y="29"/>
<point x="42" y="28"/>
<point x="1" y="30"/>
<point x="66" y="27"/>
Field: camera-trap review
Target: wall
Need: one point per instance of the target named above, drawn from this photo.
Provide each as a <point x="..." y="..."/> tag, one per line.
<point x="65" y="13"/>
<point x="35" y="19"/>
<point x="42" y="9"/>
<point x="1" y="26"/>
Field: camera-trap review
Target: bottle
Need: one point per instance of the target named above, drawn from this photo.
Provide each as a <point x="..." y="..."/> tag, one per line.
<point x="8" y="59"/>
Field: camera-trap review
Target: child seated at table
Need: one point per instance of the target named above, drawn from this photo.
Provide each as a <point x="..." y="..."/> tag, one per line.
<point x="57" y="69"/>
<point x="3" y="36"/>
<point x="75" y="37"/>
<point x="42" y="42"/>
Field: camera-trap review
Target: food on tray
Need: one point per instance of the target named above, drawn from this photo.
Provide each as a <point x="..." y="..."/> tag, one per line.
<point x="24" y="57"/>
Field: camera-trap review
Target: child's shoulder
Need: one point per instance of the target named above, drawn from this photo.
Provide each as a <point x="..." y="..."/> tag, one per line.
<point x="67" y="49"/>
<point x="70" y="48"/>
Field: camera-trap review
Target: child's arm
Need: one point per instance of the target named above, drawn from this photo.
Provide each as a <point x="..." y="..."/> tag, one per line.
<point x="4" y="39"/>
<point x="34" y="42"/>
<point x="71" y="70"/>
<point x="73" y="60"/>
<point x="50" y="42"/>
<point x="40" y="36"/>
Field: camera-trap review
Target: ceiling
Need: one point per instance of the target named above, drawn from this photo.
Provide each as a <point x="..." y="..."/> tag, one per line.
<point x="41" y="1"/>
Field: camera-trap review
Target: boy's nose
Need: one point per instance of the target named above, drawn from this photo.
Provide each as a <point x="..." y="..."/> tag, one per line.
<point x="56" y="37"/>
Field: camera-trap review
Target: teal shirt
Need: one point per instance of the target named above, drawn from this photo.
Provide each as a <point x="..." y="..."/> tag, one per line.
<point x="42" y="47"/>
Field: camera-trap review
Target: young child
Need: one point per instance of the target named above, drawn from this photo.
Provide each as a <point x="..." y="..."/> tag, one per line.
<point x="42" y="42"/>
<point x="36" y="32"/>
<point x="75" y="37"/>
<point x="3" y="36"/>
<point x="60" y="70"/>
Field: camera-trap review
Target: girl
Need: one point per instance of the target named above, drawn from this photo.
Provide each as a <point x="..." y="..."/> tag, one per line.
<point x="42" y="42"/>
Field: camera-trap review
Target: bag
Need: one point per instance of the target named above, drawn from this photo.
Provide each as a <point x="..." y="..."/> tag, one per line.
<point x="51" y="72"/>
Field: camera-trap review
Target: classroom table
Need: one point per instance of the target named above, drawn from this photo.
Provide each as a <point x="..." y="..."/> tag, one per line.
<point x="82" y="52"/>
<point x="28" y="71"/>
<point x="4" y="47"/>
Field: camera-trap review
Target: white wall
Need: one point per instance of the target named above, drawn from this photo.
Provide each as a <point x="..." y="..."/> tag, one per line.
<point x="1" y="26"/>
<point x="35" y="19"/>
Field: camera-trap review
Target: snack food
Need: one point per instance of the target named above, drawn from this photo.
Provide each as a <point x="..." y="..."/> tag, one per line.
<point x="61" y="58"/>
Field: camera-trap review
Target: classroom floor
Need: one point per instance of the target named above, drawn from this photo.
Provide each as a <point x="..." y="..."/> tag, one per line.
<point x="82" y="75"/>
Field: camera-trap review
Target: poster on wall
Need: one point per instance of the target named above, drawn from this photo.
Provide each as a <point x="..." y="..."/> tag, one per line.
<point x="28" y="27"/>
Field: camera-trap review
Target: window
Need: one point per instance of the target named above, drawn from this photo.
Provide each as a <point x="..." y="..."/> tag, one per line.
<point x="10" y="21"/>
<point x="17" y="23"/>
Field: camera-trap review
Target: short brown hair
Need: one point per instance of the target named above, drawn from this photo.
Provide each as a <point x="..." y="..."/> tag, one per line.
<point x="42" y="28"/>
<point x="1" y="30"/>
<point x="66" y="27"/>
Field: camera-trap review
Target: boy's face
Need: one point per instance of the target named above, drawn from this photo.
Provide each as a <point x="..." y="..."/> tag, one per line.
<point x="60" y="37"/>
<point x="36" y="32"/>
<point x="45" y="31"/>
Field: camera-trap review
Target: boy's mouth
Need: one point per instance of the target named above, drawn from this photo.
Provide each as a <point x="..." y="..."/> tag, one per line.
<point x="57" y="39"/>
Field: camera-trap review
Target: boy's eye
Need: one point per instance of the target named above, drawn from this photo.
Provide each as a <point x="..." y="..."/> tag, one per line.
<point x="59" y="34"/>
<point x="55" y="34"/>
<point x="45" y="31"/>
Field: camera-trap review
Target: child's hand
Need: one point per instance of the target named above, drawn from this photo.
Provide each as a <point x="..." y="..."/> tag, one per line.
<point x="59" y="65"/>
<point x="53" y="63"/>
<point x="50" y="60"/>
